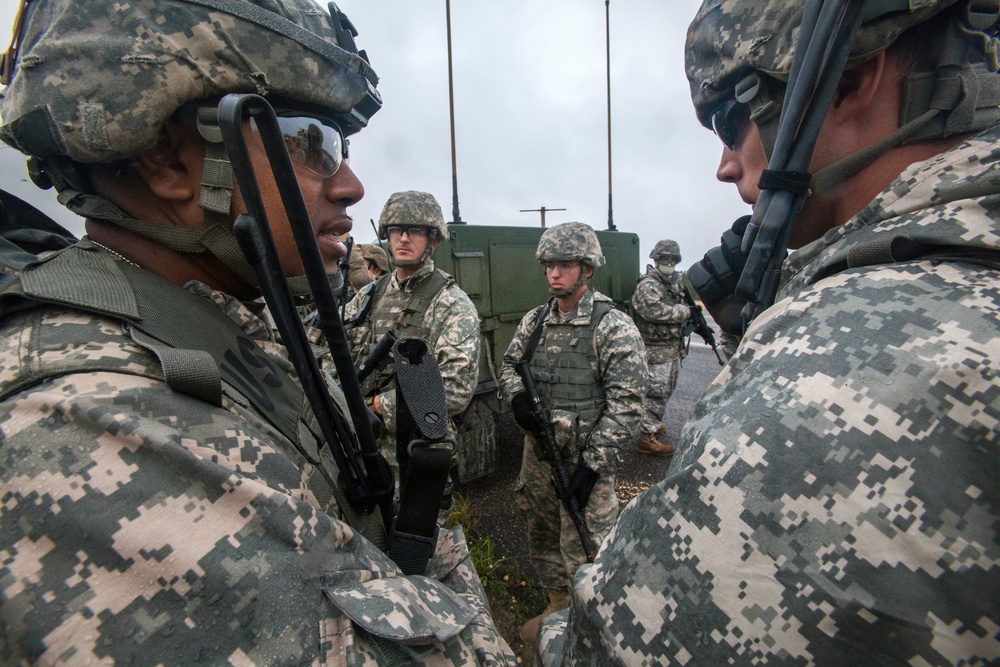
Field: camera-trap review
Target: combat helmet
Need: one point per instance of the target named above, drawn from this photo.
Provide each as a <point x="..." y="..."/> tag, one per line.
<point x="666" y="248"/>
<point x="95" y="82"/>
<point x="570" y="242"/>
<point x="374" y="253"/>
<point x="742" y="50"/>
<point x="413" y="209"/>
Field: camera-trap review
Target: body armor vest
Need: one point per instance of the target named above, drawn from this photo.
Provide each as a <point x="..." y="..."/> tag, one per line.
<point x="207" y="361"/>
<point x="658" y="333"/>
<point x="403" y="313"/>
<point x="563" y="361"/>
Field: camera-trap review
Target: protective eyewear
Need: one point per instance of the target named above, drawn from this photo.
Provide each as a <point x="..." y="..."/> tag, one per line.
<point x="395" y="231"/>
<point x="562" y="266"/>
<point x="318" y="144"/>
<point x="728" y="121"/>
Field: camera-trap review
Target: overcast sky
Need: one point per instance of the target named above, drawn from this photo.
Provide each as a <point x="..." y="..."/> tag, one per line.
<point x="530" y="117"/>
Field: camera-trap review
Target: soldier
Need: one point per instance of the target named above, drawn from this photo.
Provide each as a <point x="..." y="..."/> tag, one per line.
<point x="415" y="300"/>
<point x="166" y="499"/>
<point x="834" y="498"/>
<point x="590" y="371"/>
<point x="660" y="314"/>
<point x="358" y="274"/>
<point x="378" y="261"/>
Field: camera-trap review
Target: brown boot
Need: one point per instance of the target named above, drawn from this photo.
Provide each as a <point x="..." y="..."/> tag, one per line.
<point x="648" y="444"/>
<point x="558" y="600"/>
<point x="660" y="430"/>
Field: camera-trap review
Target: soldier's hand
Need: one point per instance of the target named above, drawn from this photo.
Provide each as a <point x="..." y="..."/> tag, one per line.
<point x="716" y="276"/>
<point x="523" y="413"/>
<point x="581" y="485"/>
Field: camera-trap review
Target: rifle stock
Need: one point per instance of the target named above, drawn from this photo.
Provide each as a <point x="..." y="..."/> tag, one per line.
<point x="560" y="476"/>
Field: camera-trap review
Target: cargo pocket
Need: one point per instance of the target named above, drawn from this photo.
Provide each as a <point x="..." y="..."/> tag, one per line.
<point x="412" y="610"/>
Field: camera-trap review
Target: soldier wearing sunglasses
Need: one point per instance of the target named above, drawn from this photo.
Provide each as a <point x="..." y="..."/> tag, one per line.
<point x="168" y="493"/>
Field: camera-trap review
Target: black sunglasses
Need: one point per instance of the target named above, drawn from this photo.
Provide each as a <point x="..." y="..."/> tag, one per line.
<point x="728" y="120"/>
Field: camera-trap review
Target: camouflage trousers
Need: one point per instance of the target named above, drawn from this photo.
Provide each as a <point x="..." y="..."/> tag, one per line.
<point x="662" y="381"/>
<point x="554" y="545"/>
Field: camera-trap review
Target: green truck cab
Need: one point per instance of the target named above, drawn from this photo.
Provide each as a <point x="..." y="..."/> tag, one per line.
<point x="496" y="267"/>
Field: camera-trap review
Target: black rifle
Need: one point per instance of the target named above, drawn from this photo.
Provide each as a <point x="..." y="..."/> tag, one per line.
<point x="697" y="324"/>
<point x="378" y="357"/>
<point x="560" y="475"/>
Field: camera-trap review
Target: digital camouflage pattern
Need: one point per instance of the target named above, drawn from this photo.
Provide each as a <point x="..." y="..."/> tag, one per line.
<point x="835" y="497"/>
<point x="451" y="328"/>
<point x="96" y="81"/>
<point x="660" y="313"/>
<point x="357" y="270"/>
<point x="727" y="38"/>
<point x="412" y="209"/>
<point x="597" y="437"/>
<point x="142" y="526"/>
<point x="570" y="242"/>
<point x="661" y="385"/>
<point x="666" y="248"/>
<point x="374" y="253"/>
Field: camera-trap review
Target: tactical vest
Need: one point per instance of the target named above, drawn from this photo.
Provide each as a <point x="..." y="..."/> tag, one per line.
<point x="207" y="361"/>
<point x="565" y="379"/>
<point x="403" y="313"/>
<point x="659" y="333"/>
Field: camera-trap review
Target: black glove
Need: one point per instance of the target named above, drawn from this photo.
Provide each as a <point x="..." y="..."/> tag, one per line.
<point x="581" y="485"/>
<point x="716" y="276"/>
<point x="523" y="414"/>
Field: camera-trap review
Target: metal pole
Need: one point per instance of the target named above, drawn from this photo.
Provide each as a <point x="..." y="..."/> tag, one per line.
<point x="541" y="210"/>
<point x="607" y="31"/>
<point x="456" y="217"/>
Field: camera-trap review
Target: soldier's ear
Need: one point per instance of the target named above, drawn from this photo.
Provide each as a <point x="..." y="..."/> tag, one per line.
<point x="588" y="271"/>
<point x="172" y="167"/>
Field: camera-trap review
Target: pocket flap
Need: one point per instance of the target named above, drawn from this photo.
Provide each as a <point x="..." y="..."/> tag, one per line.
<point x="410" y="610"/>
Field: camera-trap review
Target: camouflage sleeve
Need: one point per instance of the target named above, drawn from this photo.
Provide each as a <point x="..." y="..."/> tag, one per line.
<point x="656" y="304"/>
<point x="621" y="362"/>
<point x="454" y="325"/>
<point x="142" y="526"/>
<point x="510" y="381"/>
<point x="834" y="496"/>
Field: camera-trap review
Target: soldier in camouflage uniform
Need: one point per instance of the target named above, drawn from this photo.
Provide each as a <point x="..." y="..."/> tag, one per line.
<point x="835" y="497"/>
<point x="660" y="313"/>
<point x="168" y="503"/>
<point x="590" y="371"/>
<point x="416" y="300"/>
<point x="377" y="260"/>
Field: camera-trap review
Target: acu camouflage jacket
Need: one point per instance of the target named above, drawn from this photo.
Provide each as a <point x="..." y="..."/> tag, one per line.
<point x="140" y="525"/>
<point x="835" y="500"/>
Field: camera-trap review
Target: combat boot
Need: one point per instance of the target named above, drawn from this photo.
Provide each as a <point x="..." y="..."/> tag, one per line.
<point x="648" y="444"/>
<point x="660" y="430"/>
<point x="558" y="600"/>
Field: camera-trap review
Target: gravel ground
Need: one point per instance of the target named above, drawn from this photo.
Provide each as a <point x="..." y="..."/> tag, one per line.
<point x="492" y="502"/>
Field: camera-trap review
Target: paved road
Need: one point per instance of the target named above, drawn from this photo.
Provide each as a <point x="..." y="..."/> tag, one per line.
<point x="492" y="499"/>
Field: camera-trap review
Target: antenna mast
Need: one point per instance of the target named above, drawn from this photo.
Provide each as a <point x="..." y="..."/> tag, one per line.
<point x="456" y="217"/>
<point x="607" y="31"/>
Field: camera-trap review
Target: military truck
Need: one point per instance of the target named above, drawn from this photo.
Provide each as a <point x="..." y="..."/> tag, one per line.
<point x="496" y="267"/>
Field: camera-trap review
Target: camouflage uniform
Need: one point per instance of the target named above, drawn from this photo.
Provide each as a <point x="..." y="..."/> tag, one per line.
<point x="835" y="500"/>
<point x="358" y="275"/>
<point x="148" y="522"/>
<point x="597" y="435"/>
<point x="141" y="525"/>
<point x="450" y="322"/>
<point x="660" y="314"/>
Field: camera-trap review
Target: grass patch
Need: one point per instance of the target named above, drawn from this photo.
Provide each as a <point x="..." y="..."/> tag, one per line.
<point x="513" y="597"/>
